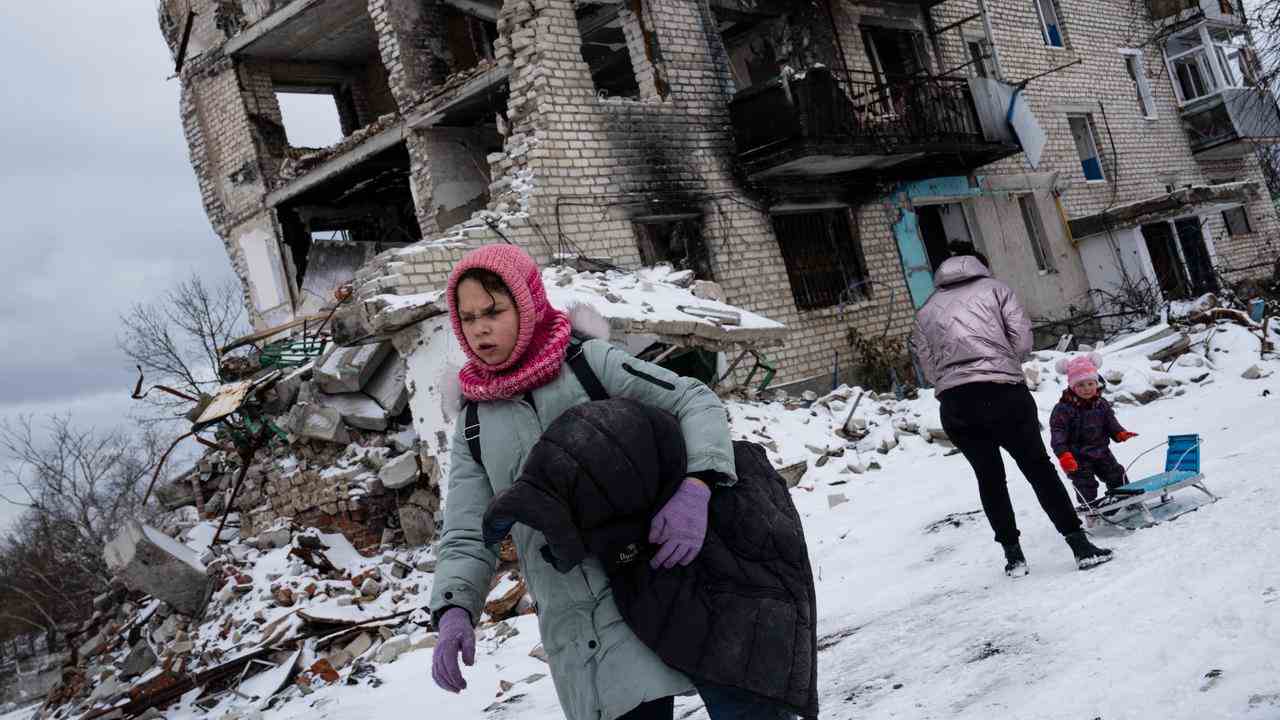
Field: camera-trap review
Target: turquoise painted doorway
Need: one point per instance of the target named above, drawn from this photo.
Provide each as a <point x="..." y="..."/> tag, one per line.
<point x="914" y="256"/>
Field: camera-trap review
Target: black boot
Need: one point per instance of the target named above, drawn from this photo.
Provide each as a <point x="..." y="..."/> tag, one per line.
<point x="1015" y="562"/>
<point x="1087" y="554"/>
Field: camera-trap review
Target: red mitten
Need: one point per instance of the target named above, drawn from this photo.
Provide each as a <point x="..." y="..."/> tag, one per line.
<point x="1125" y="435"/>
<point x="1068" y="462"/>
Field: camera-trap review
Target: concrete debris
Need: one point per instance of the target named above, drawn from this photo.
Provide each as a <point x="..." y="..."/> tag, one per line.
<point x="836" y="499"/>
<point x="794" y="472"/>
<point x="349" y="369"/>
<point x="393" y="649"/>
<point x="384" y="315"/>
<point x="708" y="290"/>
<point x="504" y="606"/>
<point x="359" y="645"/>
<point x="400" y="471"/>
<point x="356" y="409"/>
<point x="370" y="588"/>
<point x="388" y="388"/>
<point x="1255" y="372"/>
<point x="1190" y="360"/>
<point x="139" y="660"/>
<point x="317" y="423"/>
<point x="149" y="561"/>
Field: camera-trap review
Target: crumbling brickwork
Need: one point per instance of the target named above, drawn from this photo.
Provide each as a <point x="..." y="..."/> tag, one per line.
<point x="573" y="171"/>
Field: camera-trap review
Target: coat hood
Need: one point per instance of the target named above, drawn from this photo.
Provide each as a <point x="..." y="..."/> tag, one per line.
<point x="586" y="321"/>
<point x="960" y="269"/>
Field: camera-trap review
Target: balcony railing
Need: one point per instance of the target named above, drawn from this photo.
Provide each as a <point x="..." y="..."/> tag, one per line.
<point x="820" y="124"/>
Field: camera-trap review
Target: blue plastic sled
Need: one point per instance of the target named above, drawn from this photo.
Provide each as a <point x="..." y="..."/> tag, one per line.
<point x="1181" y="469"/>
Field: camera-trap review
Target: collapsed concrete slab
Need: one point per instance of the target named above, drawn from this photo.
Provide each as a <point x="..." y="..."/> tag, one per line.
<point x="311" y="420"/>
<point x="417" y="517"/>
<point x="388" y="385"/>
<point x="149" y="561"/>
<point x="399" y="471"/>
<point x="384" y="315"/>
<point x="349" y="369"/>
<point x="356" y="409"/>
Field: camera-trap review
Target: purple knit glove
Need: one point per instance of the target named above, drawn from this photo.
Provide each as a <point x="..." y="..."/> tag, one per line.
<point x="680" y="526"/>
<point x="455" y="634"/>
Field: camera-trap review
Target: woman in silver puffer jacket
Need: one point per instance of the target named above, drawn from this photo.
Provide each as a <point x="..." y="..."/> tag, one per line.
<point x="971" y="338"/>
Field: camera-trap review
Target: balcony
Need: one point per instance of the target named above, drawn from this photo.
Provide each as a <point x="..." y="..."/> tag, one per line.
<point x="817" y="126"/>
<point x="1227" y="124"/>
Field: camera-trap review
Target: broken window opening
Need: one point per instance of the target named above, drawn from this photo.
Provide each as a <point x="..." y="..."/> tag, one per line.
<point x="312" y="119"/>
<point x="340" y="224"/>
<point x="1037" y="235"/>
<point x="469" y="39"/>
<point x="824" y="259"/>
<point x="620" y="50"/>
<point x="679" y="243"/>
<point x="749" y="41"/>
<point x="1180" y="258"/>
<point x="1237" y="221"/>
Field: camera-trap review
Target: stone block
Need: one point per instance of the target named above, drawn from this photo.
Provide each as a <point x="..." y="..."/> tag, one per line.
<point x="285" y="390"/>
<point x="349" y="369"/>
<point x="388" y="386"/>
<point x="139" y="660"/>
<point x="393" y="648"/>
<point x="417" y="520"/>
<point x="356" y="409"/>
<point x="317" y="423"/>
<point x="400" y="471"/>
<point x="149" y="561"/>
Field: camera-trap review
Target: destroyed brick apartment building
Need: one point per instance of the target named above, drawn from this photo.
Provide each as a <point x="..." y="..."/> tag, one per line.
<point x="812" y="158"/>
<point x="807" y="163"/>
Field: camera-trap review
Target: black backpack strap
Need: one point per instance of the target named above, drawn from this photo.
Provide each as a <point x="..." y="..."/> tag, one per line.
<point x="582" y="370"/>
<point x="471" y="431"/>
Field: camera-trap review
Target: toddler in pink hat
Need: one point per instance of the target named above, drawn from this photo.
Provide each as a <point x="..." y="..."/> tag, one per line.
<point x="1083" y="424"/>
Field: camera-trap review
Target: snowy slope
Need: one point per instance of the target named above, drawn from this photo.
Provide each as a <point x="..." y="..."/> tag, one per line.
<point x="917" y="619"/>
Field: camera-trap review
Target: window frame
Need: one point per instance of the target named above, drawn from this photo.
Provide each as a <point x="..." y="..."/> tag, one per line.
<point x="1045" y="25"/>
<point x="979" y="61"/>
<point x="1087" y="119"/>
<point x="1037" y="233"/>
<point x="857" y="255"/>
<point x="1243" y="211"/>
<point x="1211" y="60"/>
<point x="1136" y="66"/>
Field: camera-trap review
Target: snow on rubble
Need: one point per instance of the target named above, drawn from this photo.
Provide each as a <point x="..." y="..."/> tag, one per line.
<point x="916" y="618"/>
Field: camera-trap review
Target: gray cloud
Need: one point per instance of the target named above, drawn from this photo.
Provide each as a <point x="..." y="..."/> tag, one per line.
<point x="99" y="204"/>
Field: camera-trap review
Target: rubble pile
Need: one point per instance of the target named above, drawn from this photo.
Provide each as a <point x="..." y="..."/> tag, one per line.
<point x="346" y="457"/>
<point x="284" y="612"/>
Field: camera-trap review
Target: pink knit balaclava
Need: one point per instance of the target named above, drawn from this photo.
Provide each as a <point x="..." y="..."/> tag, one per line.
<point x="544" y="330"/>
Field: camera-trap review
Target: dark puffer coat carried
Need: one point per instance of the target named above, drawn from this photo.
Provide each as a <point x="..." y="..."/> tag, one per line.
<point x="742" y="614"/>
<point x="1082" y="427"/>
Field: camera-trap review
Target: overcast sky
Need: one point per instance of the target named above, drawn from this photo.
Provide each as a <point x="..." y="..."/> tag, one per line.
<point x="98" y="200"/>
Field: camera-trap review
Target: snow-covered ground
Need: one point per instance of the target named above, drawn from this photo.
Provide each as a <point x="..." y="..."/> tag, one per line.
<point x="917" y="619"/>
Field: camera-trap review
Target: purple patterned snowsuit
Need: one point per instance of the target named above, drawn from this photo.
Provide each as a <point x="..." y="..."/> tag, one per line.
<point x="1085" y="428"/>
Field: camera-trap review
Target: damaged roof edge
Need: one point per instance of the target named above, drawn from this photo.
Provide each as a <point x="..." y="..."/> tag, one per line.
<point x="267" y="25"/>
<point x="338" y="164"/>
